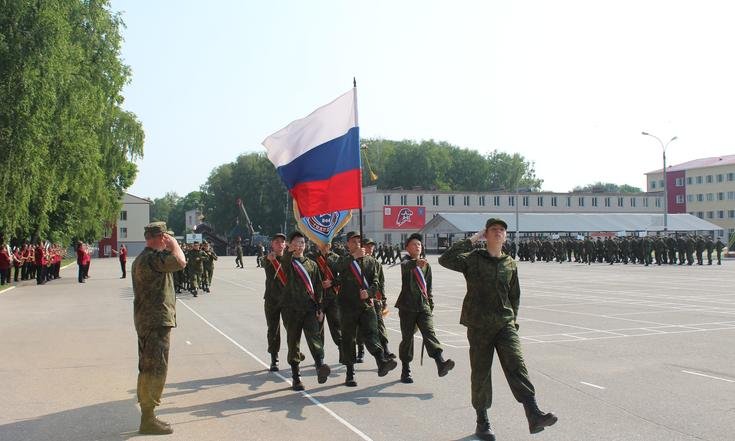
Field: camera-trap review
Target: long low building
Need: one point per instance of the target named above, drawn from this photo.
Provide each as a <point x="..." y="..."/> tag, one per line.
<point x="445" y="228"/>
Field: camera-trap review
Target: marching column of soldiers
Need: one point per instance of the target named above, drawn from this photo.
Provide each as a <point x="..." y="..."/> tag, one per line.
<point x="199" y="270"/>
<point x="647" y="250"/>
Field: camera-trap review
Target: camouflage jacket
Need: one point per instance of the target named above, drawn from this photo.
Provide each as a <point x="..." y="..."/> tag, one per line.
<point x="273" y="287"/>
<point x="211" y="256"/>
<point x="493" y="293"/>
<point x="331" y="259"/>
<point x="411" y="297"/>
<point x="195" y="260"/>
<point x="349" y="294"/>
<point x="155" y="303"/>
<point x="296" y="295"/>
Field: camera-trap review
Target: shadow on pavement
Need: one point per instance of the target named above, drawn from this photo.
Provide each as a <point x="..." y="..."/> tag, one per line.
<point x="113" y="420"/>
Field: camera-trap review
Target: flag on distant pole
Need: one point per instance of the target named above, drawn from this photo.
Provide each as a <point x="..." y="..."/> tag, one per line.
<point x="318" y="159"/>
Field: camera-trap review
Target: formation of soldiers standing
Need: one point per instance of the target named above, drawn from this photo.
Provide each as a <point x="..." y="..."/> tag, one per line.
<point x="199" y="269"/>
<point x="647" y="250"/>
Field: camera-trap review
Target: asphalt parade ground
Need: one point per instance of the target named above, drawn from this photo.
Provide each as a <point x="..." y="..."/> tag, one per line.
<point x="618" y="352"/>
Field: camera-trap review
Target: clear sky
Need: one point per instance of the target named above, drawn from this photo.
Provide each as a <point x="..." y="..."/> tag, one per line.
<point x="569" y="84"/>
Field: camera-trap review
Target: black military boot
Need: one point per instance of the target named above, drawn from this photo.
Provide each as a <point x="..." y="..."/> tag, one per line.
<point x="483" y="429"/>
<point x="150" y="425"/>
<point x="360" y="353"/>
<point x="537" y="420"/>
<point x="322" y="372"/>
<point x="274" y="363"/>
<point x="350" y="378"/>
<point x="385" y="366"/>
<point x="295" y="375"/>
<point x="406" y="373"/>
<point x="388" y="353"/>
<point x="443" y="366"/>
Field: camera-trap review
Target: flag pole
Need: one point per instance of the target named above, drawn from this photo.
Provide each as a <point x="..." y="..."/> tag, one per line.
<point x="354" y="95"/>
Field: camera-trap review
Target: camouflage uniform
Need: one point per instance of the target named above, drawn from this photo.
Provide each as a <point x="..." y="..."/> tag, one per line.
<point x="489" y="311"/>
<point x="329" y="303"/>
<point x="209" y="267"/>
<point x="195" y="266"/>
<point x="154" y="311"/>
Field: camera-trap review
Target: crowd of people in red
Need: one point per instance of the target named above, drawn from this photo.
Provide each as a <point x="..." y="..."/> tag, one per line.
<point x="41" y="261"/>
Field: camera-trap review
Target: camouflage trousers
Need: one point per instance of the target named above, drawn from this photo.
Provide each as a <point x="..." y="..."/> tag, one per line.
<point x="152" y="365"/>
<point x="207" y="275"/>
<point x="273" y="311"/>
<point x="333" y="319"/>
<point x="297" y="322"/>
<point x="365" y="323"/>
<point x="196" y="279"/>
<point x="410" y="320"/>
<point x="483" y="343"/>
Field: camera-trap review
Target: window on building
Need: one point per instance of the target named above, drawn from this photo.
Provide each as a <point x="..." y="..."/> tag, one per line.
<point x="709" y="179"/>
<point x="653" y="184"/>
<point x="721" y="196"/>
<point x="710" y="214"/>
<point x="466" y="201"/>
<point x="525" y="201"/>
<point x="731" y="176"/>
<point x="512" y="201"/>
<point x="658" y="203"/>
<point x="661" y="183"/>
<point x="123" y="232"/>
<point x="679" y="182"/>
<point x="107" y="233"/>
<point x="580" y="201"/>
<point x="645" y="202"/>
<point x="594" y="201"/>
<point x="700" y="179"/>
<point x="720" y="214"/>
<point x="689" y="180"/>
<point x="710" y="196"/>
<point x="481" y="201"/>
<point x="679" y="198"/>
<point x="608" y="201"/>
<point x="496" y="201"/>
<point x="700" y="197"/>
<point x="569" y="201"/>
<point x="730" y="195"/>
<point x="404" y="236"/>
<point x="387" y="238"/>
<point x="386" y="199"/>
<point x="123" y="215"/>
<point x="690" y="198"/>
<point x="720" y="178"/>
<point x="540" y="201"/>
<point x="731" y="214"/>
<point x="435" y="200"/>
<point x="404" y="199"/>
<point x="700" y="214"/>
<point x="419" y="199"/>
<point x="451" y="200"/>
<point x="632" y="202"/>
<point x="620" y="201"/>
<point x="720" y="233"/>
<point x="554" y="201"/>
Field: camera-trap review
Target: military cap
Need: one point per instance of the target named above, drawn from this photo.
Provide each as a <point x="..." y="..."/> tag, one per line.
<point x="156" y="228"/>
<point x="277" y="235"/>
<point x="368" y="241"/>
<point x="415" y="236"/>
<point x="352" y="234"/>
<point x="294" y="235"/>
<point x="494" y="220"/>
<point x="170" y="233"/>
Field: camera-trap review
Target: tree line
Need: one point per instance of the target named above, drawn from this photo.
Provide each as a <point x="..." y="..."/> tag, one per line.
<point x="66" y="144"/>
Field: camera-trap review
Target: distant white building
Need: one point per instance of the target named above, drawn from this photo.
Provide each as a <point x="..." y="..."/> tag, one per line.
<point x="192" y="219"/>
<point x="134" y="215"/>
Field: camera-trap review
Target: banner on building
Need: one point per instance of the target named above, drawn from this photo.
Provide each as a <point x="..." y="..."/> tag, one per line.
<point x="403" y="217"/>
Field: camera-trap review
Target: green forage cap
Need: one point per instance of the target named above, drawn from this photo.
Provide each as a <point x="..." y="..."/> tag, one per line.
<point x="156" y="228"/>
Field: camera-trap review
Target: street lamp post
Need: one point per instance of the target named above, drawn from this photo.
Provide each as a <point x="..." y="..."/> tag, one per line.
<point x="666" y="197"/>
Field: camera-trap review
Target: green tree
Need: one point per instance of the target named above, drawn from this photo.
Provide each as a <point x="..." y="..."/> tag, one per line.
<point x="177" y="215"/>
<point x="607" y="187"/>
<point x="161" y="207"/>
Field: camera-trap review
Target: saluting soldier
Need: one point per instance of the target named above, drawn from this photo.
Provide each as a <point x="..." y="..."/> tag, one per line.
<point x="416" y="305"/>
<point x="358" y="288"/>
<point x="490" y="312"/>
<point x="275" y="283"/>
<point x="154" y="311"/>
<point x="302" y="309"/>
<point x="211" y="256"/>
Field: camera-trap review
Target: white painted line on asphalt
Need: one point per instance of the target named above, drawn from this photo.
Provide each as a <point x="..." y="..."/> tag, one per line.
<point x="708" y="376"/>
<point x="265" y="365"/>
<point x="592" y="385"/>
<point x="235" y="283"/>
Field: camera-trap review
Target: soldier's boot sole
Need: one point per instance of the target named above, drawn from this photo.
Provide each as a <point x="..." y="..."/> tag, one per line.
<point x="155" y="427"/>
<point x="484" y="432"/>
<point x="386" y="367"/>
<point x="540" y="423"/>
<point x="323" y="372"/>
<point x="406" y="378"/>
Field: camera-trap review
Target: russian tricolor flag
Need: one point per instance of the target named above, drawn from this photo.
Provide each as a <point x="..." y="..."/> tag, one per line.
<point x="318" y="158"/>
